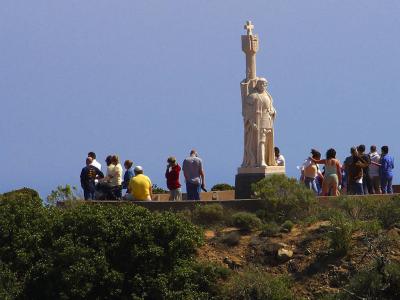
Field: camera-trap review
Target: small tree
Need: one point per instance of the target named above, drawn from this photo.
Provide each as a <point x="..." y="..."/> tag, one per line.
<point x="284" y="198"/>
<point x="63" y="194"/>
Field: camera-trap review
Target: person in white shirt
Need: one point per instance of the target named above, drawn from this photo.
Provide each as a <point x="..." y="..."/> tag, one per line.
<point x="374" y="170"/>
<point x="94" y="163"/>
<point x="279" y="159"/>
<point x="111" y="185"/>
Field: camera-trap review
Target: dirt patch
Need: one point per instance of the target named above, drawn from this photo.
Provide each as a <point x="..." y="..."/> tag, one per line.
<point x="314" y="270"/>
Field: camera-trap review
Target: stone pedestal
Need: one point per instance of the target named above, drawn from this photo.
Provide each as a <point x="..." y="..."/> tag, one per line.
<point x="247" y="176"/>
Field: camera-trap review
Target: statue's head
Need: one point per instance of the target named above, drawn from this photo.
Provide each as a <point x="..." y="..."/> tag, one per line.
<point x="261" y="85"/>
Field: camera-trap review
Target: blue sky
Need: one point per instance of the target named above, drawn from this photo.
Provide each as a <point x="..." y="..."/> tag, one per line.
<point x="150" y="79"/>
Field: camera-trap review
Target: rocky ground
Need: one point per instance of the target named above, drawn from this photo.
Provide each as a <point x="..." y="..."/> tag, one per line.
<point x="303" y="254"/>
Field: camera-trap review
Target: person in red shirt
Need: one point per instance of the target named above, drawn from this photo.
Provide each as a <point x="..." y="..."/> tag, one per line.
<point x="172" y="175"/>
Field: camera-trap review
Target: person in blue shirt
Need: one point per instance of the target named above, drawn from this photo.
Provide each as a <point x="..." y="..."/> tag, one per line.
<point x="386" y="171"/>
<point x="128" y="175"/>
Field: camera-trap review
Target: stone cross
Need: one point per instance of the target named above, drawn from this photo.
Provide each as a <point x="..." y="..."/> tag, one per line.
<point x="249" y="27"/>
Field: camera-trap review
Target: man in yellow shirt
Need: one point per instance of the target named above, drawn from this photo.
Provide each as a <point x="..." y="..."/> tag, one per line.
<point x="140" y="185"/>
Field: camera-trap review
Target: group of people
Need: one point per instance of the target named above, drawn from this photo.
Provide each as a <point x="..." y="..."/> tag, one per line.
<point x="138" y="186"/>
<point x="361" y="173"/>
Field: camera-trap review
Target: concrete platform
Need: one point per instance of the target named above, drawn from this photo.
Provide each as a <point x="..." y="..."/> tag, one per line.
<point x="251" y="205"/>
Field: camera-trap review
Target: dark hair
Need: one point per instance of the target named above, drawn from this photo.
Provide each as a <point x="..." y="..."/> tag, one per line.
<point x="331" y="153"/>
<point x="353" y="150"/>
<point x="373" y="148"/>
<point x="128" y="163"/>
<point x="315" y="153"/>
<point x="385" y="149"/>
<point x="108" y="160"/>
<point x="276" y="149"/>
<point x="115" y="159"/>
<point x="361" y="148"/>
<point x="92" y="155"/>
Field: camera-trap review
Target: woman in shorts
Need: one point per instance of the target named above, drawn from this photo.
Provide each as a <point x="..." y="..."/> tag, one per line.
<point x="333" y="174"/>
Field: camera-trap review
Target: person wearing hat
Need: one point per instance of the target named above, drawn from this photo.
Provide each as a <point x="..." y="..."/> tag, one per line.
<point x="140" y="185"/>
<point x="172" y="175"/>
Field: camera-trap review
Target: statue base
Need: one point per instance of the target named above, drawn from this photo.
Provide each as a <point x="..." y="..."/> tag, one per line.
<point x="247" y="176"/>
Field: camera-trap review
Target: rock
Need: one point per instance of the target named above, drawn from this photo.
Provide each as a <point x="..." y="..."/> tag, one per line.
<point x="284" y="255"/>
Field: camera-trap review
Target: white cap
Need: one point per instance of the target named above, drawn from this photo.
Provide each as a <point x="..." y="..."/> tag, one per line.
<point x="138" y="169"/>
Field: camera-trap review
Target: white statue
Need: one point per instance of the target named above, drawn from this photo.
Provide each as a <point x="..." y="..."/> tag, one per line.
<point x="257" y="110"/>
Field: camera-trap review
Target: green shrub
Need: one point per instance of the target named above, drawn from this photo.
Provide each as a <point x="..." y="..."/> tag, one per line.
<point x="185" y="214"/>
<point x="340" y="233"/>
<point x="61" y="193"/>
<point x="197" y="280"/>
<point x="246" y="221"/>
<point x="287" y="225"/>
<point x="255" y="284"/>
<point x="360" y="208"/>
<point x="222" y="187"/>
<point x="94" y="252"/>
<point x="284" y="198"/>
<point x="10" y="288"/>
<point x="230" y="238"/>
<point x="371" y="228"/>
<point x="25" y="193"/>
<point x="158" y="190"/>
<point x="208" y="214"/>
<point x="382" y="281"/>
<point x="389" y="212"/>
<point x="270" y="229"/>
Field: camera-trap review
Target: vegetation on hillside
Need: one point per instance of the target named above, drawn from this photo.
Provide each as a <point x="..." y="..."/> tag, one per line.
<point x="97" y="252"/>
<point x="290" y="249"/>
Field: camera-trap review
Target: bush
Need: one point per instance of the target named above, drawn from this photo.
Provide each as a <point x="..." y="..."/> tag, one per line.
<point x="382" y="281"/>
<point x="284" y="198"/>
<point x="208" y="214"/>
<point x="158" y="190"/>
<point x="25" y="193"/>
<point x="255" y="284"/>
<point x="246" y="221"/>
<point x="389" y="212"/>
<point x="370" y="228"/>
<point x="222" y="187"/>
<point x="270" y="229"/>
<point x="358" y="208"/>
<point x="9" y="286"/>
<point x="230" y="239"/>
<point x="340" y="233"/>
<point x="67" y="193"/>
<point x="204" y="276"/>
<point x="95" y="252"/>
<point x="287" y="225"/>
